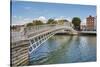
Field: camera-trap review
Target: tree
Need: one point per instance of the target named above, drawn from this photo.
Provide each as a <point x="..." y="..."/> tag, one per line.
<point x="51" y="21"/>
<point x="62" y="21"/>
<point x="65" y="20"/>
<point x="12" y="27"/>
<point x="76" y="22"/>
<point x="37" y="22"/>
<point x="29" y="24"/>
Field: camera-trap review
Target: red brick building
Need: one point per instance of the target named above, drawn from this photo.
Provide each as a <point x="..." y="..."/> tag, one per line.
<point x="90" y="23"/>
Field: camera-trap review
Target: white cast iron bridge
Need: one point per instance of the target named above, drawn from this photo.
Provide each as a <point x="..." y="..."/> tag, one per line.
<point x="36" y="35"/>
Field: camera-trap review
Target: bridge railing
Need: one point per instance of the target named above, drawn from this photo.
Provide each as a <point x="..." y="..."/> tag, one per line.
<point x="39" y="28"/>
<point x="17" y="36"/>
<point x="22" y="34"/>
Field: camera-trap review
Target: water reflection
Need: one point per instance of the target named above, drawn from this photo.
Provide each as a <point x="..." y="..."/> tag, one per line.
<point x="65" y="49"/>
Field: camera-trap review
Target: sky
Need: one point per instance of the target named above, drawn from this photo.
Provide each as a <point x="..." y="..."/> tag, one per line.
<point x="23" y="11"/>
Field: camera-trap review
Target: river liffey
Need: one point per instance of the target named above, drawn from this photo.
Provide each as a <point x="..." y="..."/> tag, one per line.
<point x="65" y="49"/>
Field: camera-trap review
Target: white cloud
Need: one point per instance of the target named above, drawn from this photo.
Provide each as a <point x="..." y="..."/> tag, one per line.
<point x="20" y="20"/>
<point x="25" y="20"/>
<point x="62" y="17"/>
<point x="42" y="18"/>
<point x="83" y="22"/>
<point x="59" y="18"/>
<point x="69" y="19"/>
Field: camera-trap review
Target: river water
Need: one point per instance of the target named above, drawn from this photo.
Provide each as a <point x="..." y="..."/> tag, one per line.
<point x="65" y="49"/>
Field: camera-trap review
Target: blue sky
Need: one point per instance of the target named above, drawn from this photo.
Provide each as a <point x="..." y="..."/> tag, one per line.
<point x="23" y="12"/>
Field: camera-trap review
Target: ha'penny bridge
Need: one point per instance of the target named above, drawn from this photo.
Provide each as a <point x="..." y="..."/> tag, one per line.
<point x="28" y="39"/>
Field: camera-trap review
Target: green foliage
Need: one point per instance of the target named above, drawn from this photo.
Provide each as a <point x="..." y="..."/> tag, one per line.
<point x="76" y="22"/>
<point x="13" y="27"/>
<point x="29" y="24"/>
<point x="37" y="22"/>
<point x="63" y="20"/>
<point x="51" y="21"/>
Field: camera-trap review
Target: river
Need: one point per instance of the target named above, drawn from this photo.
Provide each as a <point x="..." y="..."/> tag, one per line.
<point x="65" y="49"/>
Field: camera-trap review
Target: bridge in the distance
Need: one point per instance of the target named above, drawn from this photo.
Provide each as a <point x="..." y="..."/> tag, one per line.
<point x="30" y="38"/>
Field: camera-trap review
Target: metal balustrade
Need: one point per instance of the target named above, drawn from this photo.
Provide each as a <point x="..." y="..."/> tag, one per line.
<point x="36" y="31"/>
<point x="35" y="44"/>
<point x="17" y="36"/>
<point x="35" y="36"/>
